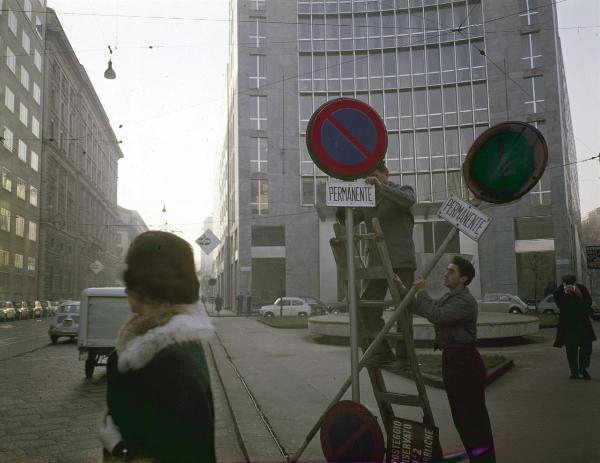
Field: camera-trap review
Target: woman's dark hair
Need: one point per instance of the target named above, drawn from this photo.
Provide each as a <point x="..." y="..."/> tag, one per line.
<point x="465" y="268"/>
<point x="569" y="279"/>
<point x="160" y="267"/>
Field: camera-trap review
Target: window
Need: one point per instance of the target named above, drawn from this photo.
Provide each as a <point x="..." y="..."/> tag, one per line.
<point x="37" y="59"/>
<point x="35" y="127"/>
<point x="4" y="258"/>
<point x="259" y="70"/>
<point x="31" y="264"/>
<point x="465" y="103"/>
<point x="541" y="194"/>
<point x="257" y="4"/>
<point x="268" y="236"/>
<point x="6" y="180"/>
<point x="20" y="226"/>
<point x="18" y="261"/>
<point x="258" y="162"/>
<point x="24" y="78"/>
<point x="258" y="112"/>
<point x="436" y="140"/>
<point x="420" y="101"/>
<point x="33" y="196"/>
<point x="480" y="102"/>
<point x="8" y="139"/>
<point x="26" y="42"/>
<point x="21" y="188"/>
<point x="9" y="99"/>
<point x="452" y="150"/>
<point x="528" y="12"/>
<point x="448" y="66"/>
<point x="407" y="151"/>
<point x="259" y="194"/>
<point x="23" y="114"/>
<point x="11" y="60"/>
<point x="257" y="31"/>
<point x="4" y="219"/>
<point x="534" y="94"/>
<point x="12" y="22"/>
<point x="32" y="231"/>
<point x="27" y="8"/>
<point x="22" y="151"/>
<point x="34" y="161"/>
<point x="37" y="94"/>
<point x="39" y="29"/>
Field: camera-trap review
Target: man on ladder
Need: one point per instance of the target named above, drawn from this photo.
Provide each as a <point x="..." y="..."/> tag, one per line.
<point x="393" y="210"/>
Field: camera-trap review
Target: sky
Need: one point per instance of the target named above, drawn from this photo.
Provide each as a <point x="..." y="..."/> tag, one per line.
<point x="170" y="99"/>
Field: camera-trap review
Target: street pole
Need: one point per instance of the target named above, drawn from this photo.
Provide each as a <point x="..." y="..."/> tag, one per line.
<point x="351" y="292"/>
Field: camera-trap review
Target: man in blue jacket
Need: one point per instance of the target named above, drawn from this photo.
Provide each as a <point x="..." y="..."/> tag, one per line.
<point x="454" y="317"/>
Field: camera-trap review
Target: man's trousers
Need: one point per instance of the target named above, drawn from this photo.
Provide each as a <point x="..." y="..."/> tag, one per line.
<point x="578" y="355"/>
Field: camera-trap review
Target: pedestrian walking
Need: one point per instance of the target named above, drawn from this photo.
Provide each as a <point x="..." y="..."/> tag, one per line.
<point x="249" y="304"/>
<point x="393" y="205"/>
<point x="575" y="330"/>
<point x="158" y="393"/>
<point x="240" y="304"/>
<point x="218" y="304"/>
<point x="454" y="317"/>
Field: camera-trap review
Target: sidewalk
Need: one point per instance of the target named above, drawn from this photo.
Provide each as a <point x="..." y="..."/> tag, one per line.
<point x="538" y="414"/>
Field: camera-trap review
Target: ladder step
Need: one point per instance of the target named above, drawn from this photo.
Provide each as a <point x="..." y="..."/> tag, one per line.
<point x="408" y="400"/>
<point x="389" y="335"/>
<point x="375" y="304"/>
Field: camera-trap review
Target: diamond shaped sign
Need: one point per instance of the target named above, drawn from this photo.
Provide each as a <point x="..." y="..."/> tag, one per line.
<point x="96" y="267"/>
<point x="208" y="241"/>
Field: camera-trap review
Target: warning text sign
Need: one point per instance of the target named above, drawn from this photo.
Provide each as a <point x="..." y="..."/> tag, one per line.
<point x="411" y="442"/>
<point x="464" y="216"/>
<point x="350" y="194"/>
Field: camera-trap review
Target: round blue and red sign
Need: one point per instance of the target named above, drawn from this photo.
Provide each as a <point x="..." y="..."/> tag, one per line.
<point x="346" y="138"/>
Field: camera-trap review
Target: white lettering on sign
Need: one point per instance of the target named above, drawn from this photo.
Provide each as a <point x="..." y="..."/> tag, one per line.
<point x="464" y="216"/>
<point x="350" y="194"/>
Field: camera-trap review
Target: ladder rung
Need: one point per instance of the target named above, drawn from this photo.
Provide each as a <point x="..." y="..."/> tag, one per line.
<point x="369" y="304"/>
<point x="370" y="273"/>
<point x="367" y="236"/>
<point x="408" y="400"/>
<point x="389" y="335"/>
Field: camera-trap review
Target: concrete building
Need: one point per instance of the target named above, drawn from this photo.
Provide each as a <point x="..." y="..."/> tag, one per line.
<point x="79" y="178"/>
<point x="130" y="225"/>
<point x="22" y="29"/>
<point x="439" y="72"/>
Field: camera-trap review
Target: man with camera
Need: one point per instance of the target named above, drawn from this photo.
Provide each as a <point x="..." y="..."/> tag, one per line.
<point x="575" y="330"/>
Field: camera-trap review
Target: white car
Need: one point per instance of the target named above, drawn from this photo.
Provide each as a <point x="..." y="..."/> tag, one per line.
<point x="502" y="302"/>
<point x="288" y="306"/>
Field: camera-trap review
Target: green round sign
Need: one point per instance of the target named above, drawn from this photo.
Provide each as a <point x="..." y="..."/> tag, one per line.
<point x="505" y="162"/>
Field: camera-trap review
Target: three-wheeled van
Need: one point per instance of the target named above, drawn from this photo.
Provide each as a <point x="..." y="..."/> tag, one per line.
<point x="102" y="312"/>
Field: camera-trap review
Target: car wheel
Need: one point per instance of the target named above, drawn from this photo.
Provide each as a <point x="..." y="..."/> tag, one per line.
<point x="302" y="314"/>
<point x="549" y="312"/>
<point x="514" y="310"/>
<point x="54" y="339"/>
<point x="89" y="368"/>
<point x="269" y="314"/>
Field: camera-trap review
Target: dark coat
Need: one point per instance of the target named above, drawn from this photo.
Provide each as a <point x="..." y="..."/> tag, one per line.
<point x="393" y="210"/>
<point x="574" y="319"/>
<point x="159" y="395"/>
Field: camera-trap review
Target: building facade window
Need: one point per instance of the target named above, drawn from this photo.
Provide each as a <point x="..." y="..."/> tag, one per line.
<point x="529" y="12"/>
<point x="531" y="53"/>
<point x="31" y="264"/>
<point x="21" y="188"/>
<point x="541" y="195"/>
<point x="32" y="231"/>
<point x="9" y="99"/>
<point x="37" y="93"/>
<point x="8" y="139"/>
<point x="4" y="219"/>
<point x="23" y="114"/>
<point x="26" y="42"/>
<point x="259" y="159"/>
<point x="258" y="112"/>
<point x="258" y="75"/>
<point x="35" y="160"/>
<point x="33" y="196"/>
<point x="12" y="22"/>
<point x="24" y="78"/>
<point x="27" y="8"/>
<point x="18" y="260"/>
<point x="11" y="60"/>
<point x="37" y="59"/>
<point x="35" y="127"/>
<point x="259" y="194"/>
<point x="22" y="153"/>
<point x="534" y="94"/>
<point x="258" y="33"/>
<point x="20" y="226"/>
<point x="257" y="4"/>
<point x="4" y="258"/>
<point x="6" y="180"/>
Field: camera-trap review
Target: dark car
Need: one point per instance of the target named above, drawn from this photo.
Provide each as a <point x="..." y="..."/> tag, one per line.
<point x="317" y="307"/>
<point x="21" y="309"/>
<point x="339" y="306"/>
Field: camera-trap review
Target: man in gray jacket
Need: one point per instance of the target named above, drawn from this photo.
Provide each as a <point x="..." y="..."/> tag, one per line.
<point x="454" y="317"/>
<point x="393" y="205"/>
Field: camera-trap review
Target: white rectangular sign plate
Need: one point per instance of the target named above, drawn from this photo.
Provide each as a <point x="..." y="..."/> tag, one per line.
<point x="464" y="216"/>
<point x="349" y="194"/>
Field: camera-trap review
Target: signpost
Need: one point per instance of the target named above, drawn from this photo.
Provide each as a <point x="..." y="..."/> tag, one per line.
<point x="208" y="241"/>
<point x="96" y="267"/>
<point x="347" y="139"/>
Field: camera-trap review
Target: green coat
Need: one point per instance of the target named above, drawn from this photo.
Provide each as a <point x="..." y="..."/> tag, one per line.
<point x="159" y="395"/>
<point x="393" y="209"/>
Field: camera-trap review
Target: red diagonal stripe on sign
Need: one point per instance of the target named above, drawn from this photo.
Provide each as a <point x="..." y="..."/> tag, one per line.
<point x="346" y="133"/>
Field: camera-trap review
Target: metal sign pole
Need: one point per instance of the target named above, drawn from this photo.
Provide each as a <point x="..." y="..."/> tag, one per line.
<point x="351" y="293"/>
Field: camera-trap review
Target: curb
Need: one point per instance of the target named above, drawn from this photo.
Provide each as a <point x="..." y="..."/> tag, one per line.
<point x="437" y="382"/>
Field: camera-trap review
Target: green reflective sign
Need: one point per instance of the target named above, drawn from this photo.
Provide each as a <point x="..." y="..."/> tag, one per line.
<point x="505" y="162"/>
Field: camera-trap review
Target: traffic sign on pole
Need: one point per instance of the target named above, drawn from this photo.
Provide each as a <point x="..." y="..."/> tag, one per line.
<point x="505" y="162"/>
<point x="346" y="138"/>
<point x="208" y="241"/>
<point x="96" y="267"/>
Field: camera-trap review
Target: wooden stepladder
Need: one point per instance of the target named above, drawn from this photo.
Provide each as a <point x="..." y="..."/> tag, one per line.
<point x="403" y="335"/>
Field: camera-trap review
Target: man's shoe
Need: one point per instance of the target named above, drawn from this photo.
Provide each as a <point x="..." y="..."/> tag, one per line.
<point x="585" y="374"/>
<point x="574" y="376"/>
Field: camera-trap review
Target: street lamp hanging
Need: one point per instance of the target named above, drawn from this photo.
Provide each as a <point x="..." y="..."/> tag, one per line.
<point x="109" y="73"/>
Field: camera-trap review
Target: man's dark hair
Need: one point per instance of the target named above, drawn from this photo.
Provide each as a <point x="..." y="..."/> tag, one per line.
<point x="465" y="268"/>
<point x="160" y="267"/>
<point x="569" y="279"/>
<point x="381" y="167"/>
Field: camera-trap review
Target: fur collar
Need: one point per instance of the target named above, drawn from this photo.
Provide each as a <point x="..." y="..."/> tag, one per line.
<point x="142" y="337"/>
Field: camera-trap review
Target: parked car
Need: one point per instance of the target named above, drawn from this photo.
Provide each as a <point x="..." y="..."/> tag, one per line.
<point x="317" y="306"/>
<point x="66" y="321"/>
<point x="48" y="308"/>
<point x="7" y="311"/>
<point x="35" y="308"/>
<point x="22" y="310"/>
<point x="339" y="306"/>
<point x="289" y="306"/>
<point x="503" y="303"/>
<point x="547" y="305"/>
